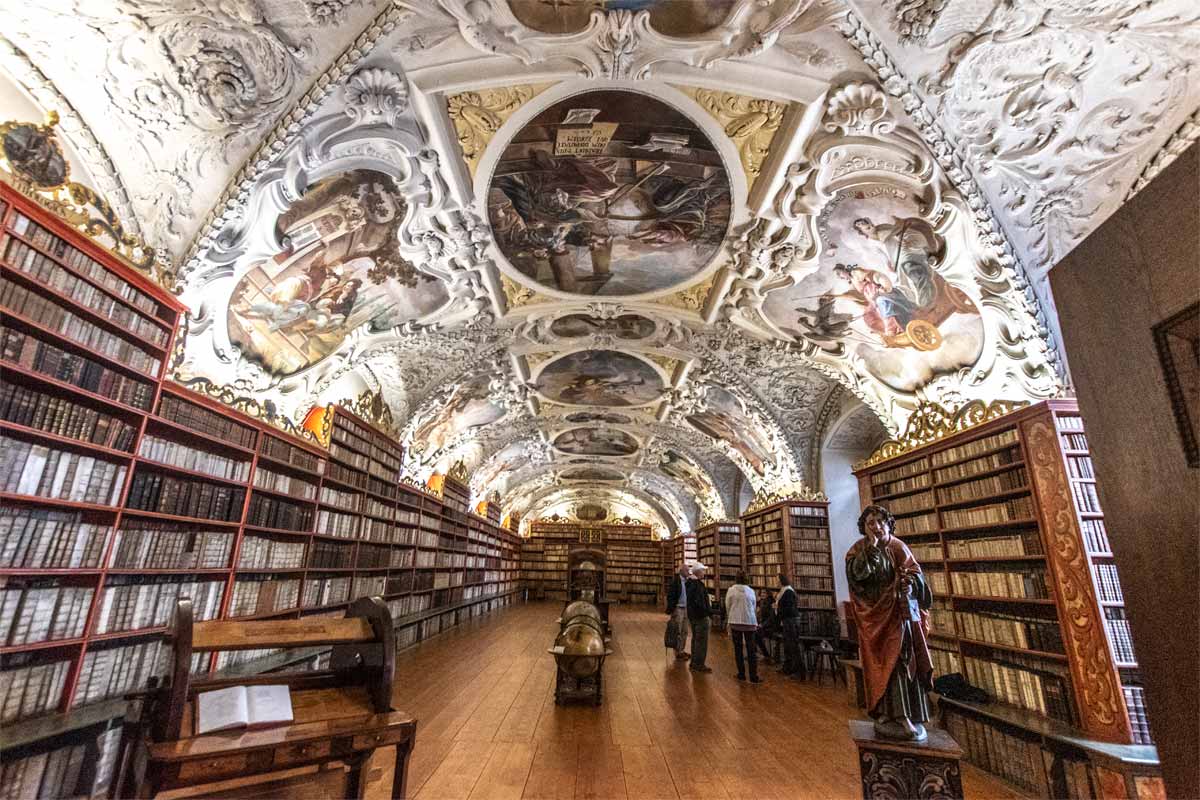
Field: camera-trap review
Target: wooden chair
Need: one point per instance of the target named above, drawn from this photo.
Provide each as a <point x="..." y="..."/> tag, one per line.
<point x="341" y="715"/>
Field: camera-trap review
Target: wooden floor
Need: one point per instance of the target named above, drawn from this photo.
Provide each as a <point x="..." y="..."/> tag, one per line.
<point x="488" y="726"/>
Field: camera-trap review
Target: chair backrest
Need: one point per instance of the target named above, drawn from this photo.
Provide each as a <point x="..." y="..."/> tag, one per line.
<point x="362" y="653"/>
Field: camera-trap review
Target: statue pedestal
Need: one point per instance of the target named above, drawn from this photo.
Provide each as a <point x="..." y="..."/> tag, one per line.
<point x="928" y="770"/>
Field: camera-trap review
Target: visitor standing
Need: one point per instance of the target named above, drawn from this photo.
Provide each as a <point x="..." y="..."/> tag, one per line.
<point x="699" y="611"/>
<point x="787" y="610"/>
<point x="743" y="624"/>
<point x="768" y="626"/>
<point x="677" y="609"/>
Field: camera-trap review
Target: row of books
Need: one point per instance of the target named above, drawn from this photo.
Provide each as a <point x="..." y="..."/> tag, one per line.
<point x="1119" y="636"/>
<point x="333" y="523"/>
<point x="284" y="484"/>
<point x="134" y="602"/>
<point x="347" y="501"/>
<point x="287" y="453"/>
<point x="325" y="591"/>
<point x="1007" y="481"/>
<point x="204" y="420"/>
<point x="908" y="526"/>
<point x="1074" y="441"/>
<point x="30" y="689"/>
<point x="349" y="457"/>
<point x="1108" y="583"/>
<point x="180" y="455"/>
<point x="372" y="585"/>
<point x="1023" y="583"/>
<point x="41" y="471"/>
<point x="85" y="265"/>
<point x="1135" y="704"/>
<point x="909" y="503"/>
<point x="1086" y="497"/>
<point x="113" y="671"/>
<point x="937" y="581"/>
<point x="1095" y="535"/>
<point x="926" y="551"/>
<point x="370" y="557"/>
<point x="1029" y="633"/>
<point x="151" y="544"/>
<point x="330" y="555"/>
<point x="47" y="272"/>
<point x="1004" y="438"/>
<point x="945" y="662"/>
<point x="1017" y="760"/>
<point x="975" y="466"/>
<point x="40" y="611"/>
<point x="1018" y="508"/>
<point x="82" y="769"/>
<point x="274" y="512"/>
<point x="261" y="553"/>
<point x="1040" y="689"/>
<point x="1081" y="467"/>
<point x="58" y="319"/>
<point x="888" y="476"/>
<point x="375" y="508"/>
<point x="38" y="538"/>
<point x="920" y="481"/>
<point x="185" y="497"/>
<point x="60" y="416"/>
<point x="44" y="358"/>
<point x="1025" y="543"/>
<point x="813" y="583"/>
<point x="262" y="595"/>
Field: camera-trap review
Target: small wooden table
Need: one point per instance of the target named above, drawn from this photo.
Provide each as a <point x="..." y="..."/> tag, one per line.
<point x="928" y="770"/>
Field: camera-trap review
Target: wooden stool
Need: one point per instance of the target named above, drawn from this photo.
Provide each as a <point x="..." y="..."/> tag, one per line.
<point x="825" y="657"/>
<point x="929" y="770"/>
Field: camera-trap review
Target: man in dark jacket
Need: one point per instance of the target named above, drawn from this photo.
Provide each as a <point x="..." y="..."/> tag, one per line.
<point x="787" y="610"/>
<point x="699" y="610"/>
<point x="677" y="609"/>
<point x="767" y="624"/>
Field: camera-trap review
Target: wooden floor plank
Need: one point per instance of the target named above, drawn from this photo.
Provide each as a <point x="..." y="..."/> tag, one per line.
<point x="488" y="725"/>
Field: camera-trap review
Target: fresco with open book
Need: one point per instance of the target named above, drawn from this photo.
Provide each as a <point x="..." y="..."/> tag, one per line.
<point x="879" y="292"/>
<point x="609" y="193"/>
<point x="337" y="268"/>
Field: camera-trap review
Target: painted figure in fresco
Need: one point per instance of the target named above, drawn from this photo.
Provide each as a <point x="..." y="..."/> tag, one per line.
<point x="721" y="426"/>
<point x="891" y="599"/>
<point x="467" y="407"/>
<point x="596" y="442"/>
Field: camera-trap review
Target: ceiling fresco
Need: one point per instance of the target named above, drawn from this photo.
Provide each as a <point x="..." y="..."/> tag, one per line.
<point x="644" y="259"/>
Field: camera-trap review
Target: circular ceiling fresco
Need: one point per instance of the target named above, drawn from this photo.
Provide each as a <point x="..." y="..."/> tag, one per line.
<point x="600" y="378"/>
<point x="610" y="193"/>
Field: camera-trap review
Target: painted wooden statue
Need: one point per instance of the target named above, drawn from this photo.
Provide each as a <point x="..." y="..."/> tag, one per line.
<point x="891" y="601"/>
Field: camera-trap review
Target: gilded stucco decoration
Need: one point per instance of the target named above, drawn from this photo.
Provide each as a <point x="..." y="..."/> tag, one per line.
<point x="750" y="122"/>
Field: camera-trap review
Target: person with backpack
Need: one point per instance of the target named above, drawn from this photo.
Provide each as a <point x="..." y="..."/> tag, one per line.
<point x="787" y="610"/>
<point x="743" y="625"/>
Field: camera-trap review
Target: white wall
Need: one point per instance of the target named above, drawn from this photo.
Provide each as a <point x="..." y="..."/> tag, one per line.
<point x="842" y="488"/>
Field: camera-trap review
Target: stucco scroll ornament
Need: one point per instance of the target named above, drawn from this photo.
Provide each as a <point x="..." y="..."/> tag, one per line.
<point x="617" y="44"/>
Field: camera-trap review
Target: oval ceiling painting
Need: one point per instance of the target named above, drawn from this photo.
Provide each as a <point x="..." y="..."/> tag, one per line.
<point x="629" y="327"/>
<point x="598" y="416"/>
<point x="609" y="193"/>
<point x="591" y="474"/>
<point x="596" y="442"/>
<point x="338" y="268"/>
<point x="600" y="378"/>
<point x="591" y="512"/>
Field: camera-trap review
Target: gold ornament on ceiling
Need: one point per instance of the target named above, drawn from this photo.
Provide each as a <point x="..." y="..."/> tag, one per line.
<point x="478" y="115"/>
<point x="32" y="163"/>
<point x="534" y="359"/>
<point x="931" y="422"/>
<point x="230" y="396"/>
<point x="750" y="122"/>
<point x="668" y="364"/>
<point x="458" y="472"/>
<point x="516" y="295"/>
<point x="692" y="299"/>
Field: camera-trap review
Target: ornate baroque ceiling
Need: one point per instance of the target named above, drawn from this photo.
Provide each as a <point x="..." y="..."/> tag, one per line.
<point x="647" y="256"/>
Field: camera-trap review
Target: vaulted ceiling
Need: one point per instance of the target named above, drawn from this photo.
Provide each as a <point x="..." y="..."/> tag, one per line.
<point x="645" y="254"/>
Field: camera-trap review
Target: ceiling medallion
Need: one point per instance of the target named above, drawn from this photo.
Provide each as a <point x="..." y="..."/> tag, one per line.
<point x="32" y="162"/>
<point x="750" y="122"/>
<point x="932" y="421"/>
<point x="609" y="193"/>
<point x="479" y="114"/>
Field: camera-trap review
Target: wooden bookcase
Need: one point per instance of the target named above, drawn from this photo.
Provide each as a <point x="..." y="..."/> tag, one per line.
<point x="199" y="500"/>
<point x="793" y="537"/>
<point x="633" y="571"/>
<point x="1005" y="520"/>
<point x="719" y="547"/>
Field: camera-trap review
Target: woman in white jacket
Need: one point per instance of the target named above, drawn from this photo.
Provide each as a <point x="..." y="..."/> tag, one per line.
<point x="739" y="611"/>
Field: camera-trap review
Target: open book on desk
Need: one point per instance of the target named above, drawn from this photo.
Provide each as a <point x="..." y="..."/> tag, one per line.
<point x="243" y="707"/>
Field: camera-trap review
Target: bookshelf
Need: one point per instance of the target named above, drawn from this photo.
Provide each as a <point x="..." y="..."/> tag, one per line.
<point x="633" y="570"/>
<point x="1006" y="522"/>
<point x="792" y="536"/>
<point x="719" y="547"/>
<point x="123" y="491"/>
